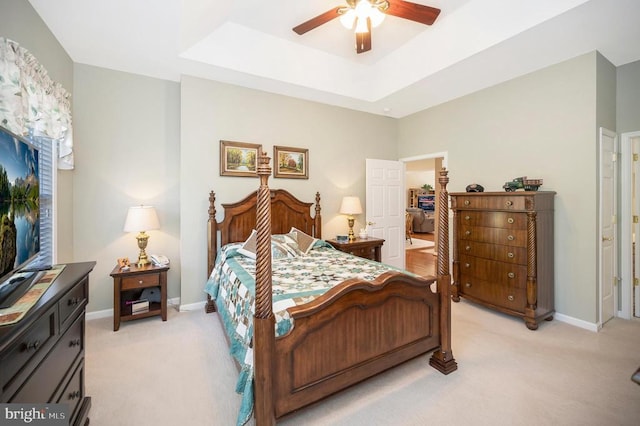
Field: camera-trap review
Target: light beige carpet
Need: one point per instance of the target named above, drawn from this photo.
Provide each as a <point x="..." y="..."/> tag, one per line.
<point x="417" y="244"/>
<point x="179" y="373"/>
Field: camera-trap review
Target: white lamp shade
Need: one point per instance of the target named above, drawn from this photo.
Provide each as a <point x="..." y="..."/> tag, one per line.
<point x="351" y="205"/>
<point x="141" y="218"/>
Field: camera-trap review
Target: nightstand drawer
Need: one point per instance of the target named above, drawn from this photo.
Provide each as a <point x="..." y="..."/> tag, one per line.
<point x="365" y="252"/>
<point x="141" y="281"/>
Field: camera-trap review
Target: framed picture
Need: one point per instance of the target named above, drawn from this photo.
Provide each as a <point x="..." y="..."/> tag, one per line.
<point x="290" y="162"/>
<point x="239" y="158"/>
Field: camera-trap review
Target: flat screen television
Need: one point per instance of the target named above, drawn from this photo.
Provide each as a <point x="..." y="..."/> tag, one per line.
<point x="19" y="215"/>
<point x="427" y="202"/>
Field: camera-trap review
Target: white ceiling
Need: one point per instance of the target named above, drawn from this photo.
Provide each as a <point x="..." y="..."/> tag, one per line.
<point x="472" y="45"/>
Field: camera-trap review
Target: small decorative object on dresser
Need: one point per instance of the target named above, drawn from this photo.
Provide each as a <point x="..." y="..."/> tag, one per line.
<point x="42" y="355"/>
<point x="503" y="252"/>
<point x="370" y="248"/>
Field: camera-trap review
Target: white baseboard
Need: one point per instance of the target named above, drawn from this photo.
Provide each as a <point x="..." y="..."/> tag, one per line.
<point x="192" y="306"/>
<point x="577" y="322"/>
<point x="171" y="303"/>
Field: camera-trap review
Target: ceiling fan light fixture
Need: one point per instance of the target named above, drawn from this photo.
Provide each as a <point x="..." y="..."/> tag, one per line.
<point x="348" y="18"/>
<point x="376" y="17"/>
<point x="361" y="26"/>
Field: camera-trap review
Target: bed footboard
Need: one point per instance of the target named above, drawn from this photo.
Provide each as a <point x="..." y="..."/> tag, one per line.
<point x="353" y="332"/>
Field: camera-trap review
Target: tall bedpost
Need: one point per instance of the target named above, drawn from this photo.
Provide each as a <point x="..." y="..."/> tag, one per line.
<point x="212" y="250"/>
<point x="442" y="359"/>
<point x="263" y="321"/>
<point x="317" y="219"/>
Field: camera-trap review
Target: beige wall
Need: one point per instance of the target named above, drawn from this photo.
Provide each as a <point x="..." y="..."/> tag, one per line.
<point x="128" y="153"/>
<point x="20" y="22"/>
<point x="541" y="125"/>
<point x="628" y="97"/>
<point x="339" y="141"/>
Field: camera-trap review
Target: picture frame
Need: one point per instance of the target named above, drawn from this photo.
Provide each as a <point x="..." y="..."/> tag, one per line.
<point x="239" y="158"/>
<point x="289" y="162"/>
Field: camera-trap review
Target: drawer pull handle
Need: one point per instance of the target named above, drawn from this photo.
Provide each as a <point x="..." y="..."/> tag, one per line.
<point x="468" y="285"/>
<point x="509" y="203"/>
<point x="510" y="220"/>
<point x="73" y="301"/>
<point x="510" y="297"/>
<point x="467" y="248"/>
<point x="467" y="233"/>
<point x="74" y="395"/>
<point x="511" y="275"/>
<point x="510" y="237"/>
<point x="466" y="265"/>
<point x="140" y="282"/>
<point x="74" y="342"/>
<point x="467" y="217"/>
<point x="467" y="202"/>
<point x="510" y="255"/>
<point x="32" y="346"/>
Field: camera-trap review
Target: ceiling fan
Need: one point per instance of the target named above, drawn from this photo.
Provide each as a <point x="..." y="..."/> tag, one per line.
<point x="365" y="14"/>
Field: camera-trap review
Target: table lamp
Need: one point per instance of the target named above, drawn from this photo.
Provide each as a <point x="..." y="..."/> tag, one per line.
<point x="350" y="206"/>
<point x="141" y="219"/>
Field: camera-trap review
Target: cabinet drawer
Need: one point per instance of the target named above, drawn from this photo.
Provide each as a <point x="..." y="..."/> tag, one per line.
<point x="509" y="237"/>
<point x="73" y="393"/>
<point x="507" y="220"/>
<point x="75" y="299"/>
<point x="365" y="252"/>
<point x="42" y="384"/>
<point x="29" y="349"/>
<point x="141" y="281"/>
<point x="488" y="202"/>
<point x="512" y="298"/>
<point x="498" y="272"/>
<point x="501" y="253"/>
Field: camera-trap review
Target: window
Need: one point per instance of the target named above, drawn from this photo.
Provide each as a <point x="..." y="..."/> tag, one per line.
<point x="47" y="188"/>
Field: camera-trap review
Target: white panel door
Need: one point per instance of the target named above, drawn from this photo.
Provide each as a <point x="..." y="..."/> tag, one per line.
<point x="385" y="208"/>
<point x="607" y="243"/>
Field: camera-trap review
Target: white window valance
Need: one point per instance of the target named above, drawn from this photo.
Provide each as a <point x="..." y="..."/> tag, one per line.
<point x="30" y="102"/>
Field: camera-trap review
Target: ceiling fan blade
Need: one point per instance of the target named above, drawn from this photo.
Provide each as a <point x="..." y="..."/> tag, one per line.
<point x="363" y="40"/>
<point x="317" y="21"/>
<point x="413" y="11"/>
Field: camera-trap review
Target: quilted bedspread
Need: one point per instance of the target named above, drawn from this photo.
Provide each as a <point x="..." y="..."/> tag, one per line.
<point x="296" y="280"/>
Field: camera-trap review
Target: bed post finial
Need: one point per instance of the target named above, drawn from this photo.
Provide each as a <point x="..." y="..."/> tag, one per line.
<point x="442" y="358"/>
<point x="317" y="219"/>
<point x="263" y="320"/>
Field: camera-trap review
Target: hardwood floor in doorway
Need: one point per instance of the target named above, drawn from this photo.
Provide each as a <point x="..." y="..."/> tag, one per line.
<point x="421" y="262"/>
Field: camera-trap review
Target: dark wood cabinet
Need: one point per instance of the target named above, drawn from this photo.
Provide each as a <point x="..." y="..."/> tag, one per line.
<point x="128" y="286"/>
<point x="369" y="248"/>
<point x="503" y="252"/>
<point x="42" y="355"/>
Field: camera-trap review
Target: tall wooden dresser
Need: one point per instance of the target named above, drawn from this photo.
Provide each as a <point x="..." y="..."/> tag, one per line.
<point x="42" y="355"/>
<point x="503" y="252"/>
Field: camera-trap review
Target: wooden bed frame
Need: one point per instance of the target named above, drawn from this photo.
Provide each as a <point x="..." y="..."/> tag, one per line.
<point x="354" y="331"/>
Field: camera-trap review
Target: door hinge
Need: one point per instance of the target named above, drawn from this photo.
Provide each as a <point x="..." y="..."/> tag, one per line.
<point x="614" y="157"/>
<point x="635" y="218"/>
<point x="635" y="157"/>
<point x="614" y="219"/>
<point x="636" y="282"/>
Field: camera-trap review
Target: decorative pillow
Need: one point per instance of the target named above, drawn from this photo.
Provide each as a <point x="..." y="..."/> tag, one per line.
<point x="249" y="247"/>
<point x="305" y="241"/>
<point x="282" y="246"/>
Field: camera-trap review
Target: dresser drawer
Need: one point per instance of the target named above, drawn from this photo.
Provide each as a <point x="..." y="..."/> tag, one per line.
<point x="495" y="202"/>
<point x="507" y="220"/>
<point x="75" y="299"/>
<point x="141" y="281"/>
<point x="492" y="271"/>
<point x="512" y="298"/>
<point x="29" y="349"/>
<point x="73" y="393"/>
<point x="44" y="381"/>
<point x="508" y="237"/>
<point x="501" y="253"/>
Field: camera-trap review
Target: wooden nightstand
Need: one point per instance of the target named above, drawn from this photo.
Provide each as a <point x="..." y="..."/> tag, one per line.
<point x="369" y="248"/>
<point x="128" y="285"/>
